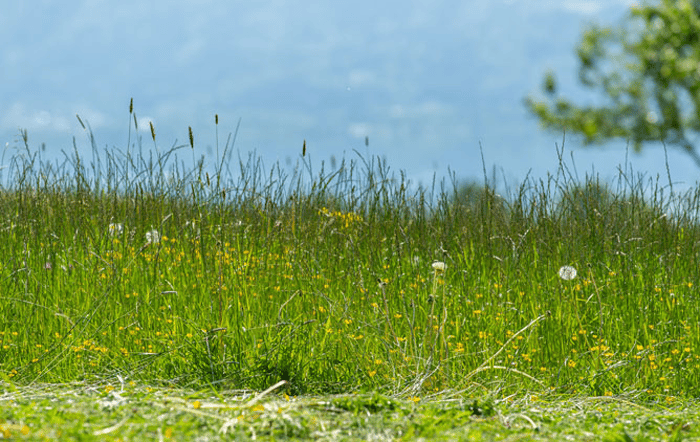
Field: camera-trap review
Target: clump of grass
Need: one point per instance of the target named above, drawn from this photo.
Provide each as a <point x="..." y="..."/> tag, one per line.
<point x="341" y="280"/>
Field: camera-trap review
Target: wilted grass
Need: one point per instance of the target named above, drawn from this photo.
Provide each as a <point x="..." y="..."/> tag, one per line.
<point x="135" y="266"/>
<point x="134" y="412"/>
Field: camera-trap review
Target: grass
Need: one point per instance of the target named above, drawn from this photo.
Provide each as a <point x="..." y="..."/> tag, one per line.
<point x="135" y="412"/>
<point x="149" y="266"/>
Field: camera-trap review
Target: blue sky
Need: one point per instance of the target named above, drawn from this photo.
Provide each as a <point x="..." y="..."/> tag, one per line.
<point x="427" y="81"/>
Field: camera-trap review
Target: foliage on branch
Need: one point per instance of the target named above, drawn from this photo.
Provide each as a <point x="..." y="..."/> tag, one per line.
<point x="648" y="70"/>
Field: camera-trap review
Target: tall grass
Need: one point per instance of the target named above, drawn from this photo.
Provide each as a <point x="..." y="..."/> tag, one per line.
<point x="137" y="266"/>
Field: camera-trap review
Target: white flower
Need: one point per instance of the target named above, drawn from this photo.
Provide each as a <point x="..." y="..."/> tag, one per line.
<point x="439" y="266"/>
<point x="115" y="229"/>
<point x="567" y="273"/>
<point x="152" y="237"/>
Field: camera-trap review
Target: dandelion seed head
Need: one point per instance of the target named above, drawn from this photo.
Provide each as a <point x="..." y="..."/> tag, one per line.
<point x="439" y="266"/>
<point x="152" y="237"/>
<point x="567" y="273"/>
<point x="115" y="229"/>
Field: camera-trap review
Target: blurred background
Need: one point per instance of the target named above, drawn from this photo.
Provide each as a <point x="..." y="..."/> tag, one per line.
<point x="428" y="83"/>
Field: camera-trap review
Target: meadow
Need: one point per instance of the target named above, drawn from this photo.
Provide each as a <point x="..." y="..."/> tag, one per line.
<point x="151" y="269"/>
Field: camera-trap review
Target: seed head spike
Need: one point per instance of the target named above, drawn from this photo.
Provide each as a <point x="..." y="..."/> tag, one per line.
<point x="153" y="131"/>
<point x="216" y="119"/>
<point x="131" y="106"/>
<point x="80" y="121"/>
<point x="191" y="138"/>
<point x="303" y="149"/>
<point x="136" y="123"/>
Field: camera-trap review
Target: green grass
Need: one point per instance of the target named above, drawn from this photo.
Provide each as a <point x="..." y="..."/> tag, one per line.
<point x="134" y="267"/>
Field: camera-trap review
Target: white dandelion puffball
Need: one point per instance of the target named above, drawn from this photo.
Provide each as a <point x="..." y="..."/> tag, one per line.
<point x="567" y="273"/>
<point x="115" y="229"/>
<point x="152" y="237"/>
<point x="439" y="266"/>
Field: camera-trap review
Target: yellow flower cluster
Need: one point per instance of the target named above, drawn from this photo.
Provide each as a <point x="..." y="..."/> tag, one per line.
<point x="346" y="219"/>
